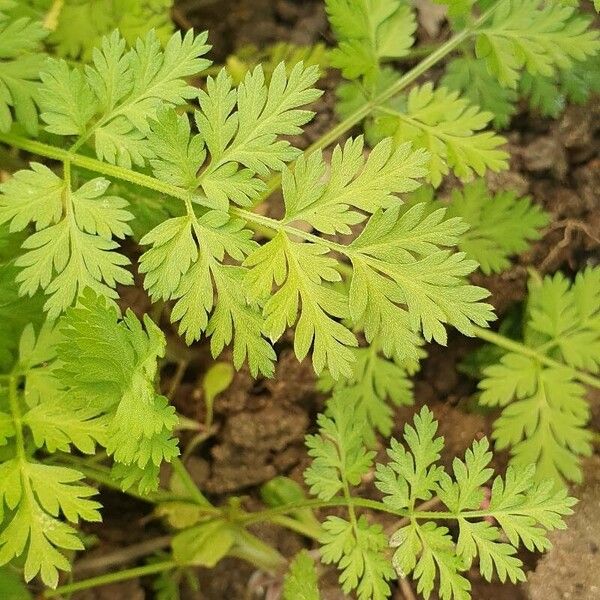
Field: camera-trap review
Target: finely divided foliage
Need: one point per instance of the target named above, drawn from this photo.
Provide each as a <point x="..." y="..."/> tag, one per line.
<point x="359" y="253"/>
<point x="544" y="412"/>
<point x="86" y="381"/>
<point x="520" y="511"/>
<point x="403" y="268"/>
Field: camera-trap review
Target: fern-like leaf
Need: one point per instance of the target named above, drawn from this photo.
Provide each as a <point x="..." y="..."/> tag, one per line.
<point x="450" y="129"/>
<point x="72" y="247"/>
<point x="539" y="38"/>
<point x="544" y="411"/>
<point x="499" y="225"/>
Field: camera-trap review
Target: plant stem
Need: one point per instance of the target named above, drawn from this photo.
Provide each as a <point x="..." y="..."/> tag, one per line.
<point x="121" y="556"/>
<point x="393" y="90"/>
<point x="97" y="166"/>
<point x="508" y="344"/>
<point x="188" y="482"/>
<point x="111" y="578"/>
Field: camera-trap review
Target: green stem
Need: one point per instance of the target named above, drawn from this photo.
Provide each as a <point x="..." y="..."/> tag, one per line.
<point x="188" y="482"/>
<point x="393" y="90"/>
<point x="108" y="578"/>
<point x="94" y="165"/>
<point x="292" y="524"/>
<point x="102" y="476"/>
<point x="513" y="346"/>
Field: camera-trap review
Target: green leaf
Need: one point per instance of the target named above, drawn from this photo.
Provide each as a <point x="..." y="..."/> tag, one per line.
<point x="412" y="474"/>
<point x="123" y="90"/>
<point x="523" y="509"/>
<point x="12" y="586"/>
<point x="58" y="425"/>
<point x="482" y="539"/>
<point x="355" y="183"/>
<point x="499" y="225"/>
<point x="15" y="314"/>
<point x="300" y="270"/>
<point x="339" y="457"/>
<point x="35" y="495"/>
<point x="544" y="408"/>
<point x="539" y="38"/>
<point x="472" y="80"/>
<point x="80" y="26"/>
<point x="20" y="63"/>
<point x="465" y="492"/>
<point x="178" y="154"/>
<point x="449" y="127"/>
<point x="568" y="317"/>
<point x="301" y="580"/>
<point x="358" y="552"/>
<point x="185" y="262"/>
<point x="544" y="418"/>
<point x="204" y="545"/>
<point x="241" y="129"/>
<point x="369" y="32"/>
<point x="397" y="260"/>
<point x="72" y="247"/>
<point x="430" y="554"/>
<point x="66" y="101"/>
<point x="112" y="365"/>
<point x="377" y="385"/>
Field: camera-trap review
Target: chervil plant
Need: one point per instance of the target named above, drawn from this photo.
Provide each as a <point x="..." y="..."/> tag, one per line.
<point x="541" y="392"/>
<point x="362" y="267"/>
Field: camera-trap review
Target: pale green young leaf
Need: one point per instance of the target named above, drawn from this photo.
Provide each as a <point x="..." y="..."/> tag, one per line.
<point x="524" y="34"/>
<point x="35" y="496"/>
<point x="178" y="155"/>
<point x="234" y="320"/>
<point x="31" y="196"/>
<point x="301" y="580"/>
<point x="544" y="418"/>
<point x="185" y="263"/>
<point x="122" y="89"/>
<point x="67" y="103"/>
<point x="397" y="260"/>
<point x="301" y="271"/>
<point x="483" y="540"/>
<point x="450" y="128"/>
<point x="358" y="551"/>
<point x="241" y="129"/>
<point x="464" y="491"/>
<point x="152" y="78"/>
<point x="353" y="183"/>
<point x="568" y="317"/>
<point x="57" y="424"/>
<point x="20" y="62"/>
<point x="499" y="225"/>
<point x="377" y="385"/>
<point x="72" y="247"/>
<point x="433" y="555"/>
<point x="544" y="408"/>
<point x="525" y="509"/>
<point x="339" y="457"/>
<point x="412" y="474"/>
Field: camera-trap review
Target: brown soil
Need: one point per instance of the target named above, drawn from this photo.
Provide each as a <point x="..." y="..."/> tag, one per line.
<point x="260" y="425"/>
